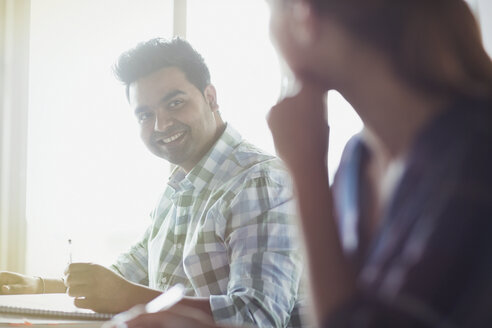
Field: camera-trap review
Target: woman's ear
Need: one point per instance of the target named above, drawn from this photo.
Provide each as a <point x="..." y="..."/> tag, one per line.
<point x="211" y="97"/>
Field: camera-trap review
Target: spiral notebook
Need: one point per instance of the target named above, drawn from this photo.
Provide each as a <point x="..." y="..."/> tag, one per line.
<point x="47" y="305"/>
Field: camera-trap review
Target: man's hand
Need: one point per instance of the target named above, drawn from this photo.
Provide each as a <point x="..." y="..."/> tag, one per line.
<point x="15" y="283"/>
<point x="100" y="289"/>
<point x="299" y="127"/>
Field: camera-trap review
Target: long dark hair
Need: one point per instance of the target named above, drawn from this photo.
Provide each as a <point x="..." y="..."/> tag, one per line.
<point x="435" y="44"/>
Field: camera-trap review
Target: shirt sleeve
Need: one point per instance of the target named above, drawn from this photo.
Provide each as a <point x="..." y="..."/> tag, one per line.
<point x="133" y="265"/>
<point x="265" y="264"/>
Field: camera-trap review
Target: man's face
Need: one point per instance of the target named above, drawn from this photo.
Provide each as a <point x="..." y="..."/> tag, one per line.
<point x="177" y="122"/>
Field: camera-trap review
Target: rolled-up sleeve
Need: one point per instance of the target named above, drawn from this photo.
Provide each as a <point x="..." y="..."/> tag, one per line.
<point x="265" y="261"/>
<point x="133" y="265"/>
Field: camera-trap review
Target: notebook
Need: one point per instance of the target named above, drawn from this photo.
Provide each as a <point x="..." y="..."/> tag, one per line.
<point x="47" y="305"/>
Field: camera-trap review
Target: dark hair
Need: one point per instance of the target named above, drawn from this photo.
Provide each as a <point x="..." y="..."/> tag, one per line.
<point x="435" y="45"/>
<point x="155" y="54"/>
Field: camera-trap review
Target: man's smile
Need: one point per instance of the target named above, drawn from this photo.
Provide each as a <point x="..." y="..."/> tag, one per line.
<point x="170" y="140"/>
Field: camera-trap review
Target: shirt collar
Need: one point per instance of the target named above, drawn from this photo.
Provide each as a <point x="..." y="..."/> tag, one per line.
<point x="205" y="170"/>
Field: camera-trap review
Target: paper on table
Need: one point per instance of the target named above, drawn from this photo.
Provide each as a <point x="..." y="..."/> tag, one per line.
<point x="11" y="320"/>
<point x="52" y="305"/>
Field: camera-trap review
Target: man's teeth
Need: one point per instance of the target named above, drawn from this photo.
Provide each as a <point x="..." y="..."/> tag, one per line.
<point x="172" y="138"/>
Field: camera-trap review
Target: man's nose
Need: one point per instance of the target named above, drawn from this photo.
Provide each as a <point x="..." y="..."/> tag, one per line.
<point x="162" y="121"/>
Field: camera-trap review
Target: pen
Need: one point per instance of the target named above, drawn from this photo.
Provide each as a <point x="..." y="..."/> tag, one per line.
<point x="162" y="302"/>
<point x="70" y="251"/>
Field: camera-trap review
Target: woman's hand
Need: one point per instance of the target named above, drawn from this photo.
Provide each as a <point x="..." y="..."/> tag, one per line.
<point x="299" y="127"/>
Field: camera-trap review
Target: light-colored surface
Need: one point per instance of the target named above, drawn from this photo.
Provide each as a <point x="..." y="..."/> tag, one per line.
<point x="14" y="52"/>
<point x="179" y="19"/>
<point x="90" y="178"/>
<point x="29" y="321"/>
<point x="52" y="302"/>
<point x="43" y="302"/>
<point x="46" y="302"/>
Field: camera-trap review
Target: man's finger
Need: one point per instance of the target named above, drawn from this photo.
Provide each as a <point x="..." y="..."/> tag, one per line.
<point x="79" y="278"/>
<point x="16" y="289"/>
<point x="78" y="266"/>
<point x="83" y="303"/>
<point x="79" y="291"/>
<point x="5" y="289"/>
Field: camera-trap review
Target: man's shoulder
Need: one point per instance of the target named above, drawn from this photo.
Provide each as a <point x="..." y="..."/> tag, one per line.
<point x="248" y="158"/>
<point x="247" y="155"/>
<point x="248" y="162"/>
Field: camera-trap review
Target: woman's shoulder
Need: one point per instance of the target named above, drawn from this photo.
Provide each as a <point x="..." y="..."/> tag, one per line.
<point x="462" y="131"/>
<point x="475" y="130"/>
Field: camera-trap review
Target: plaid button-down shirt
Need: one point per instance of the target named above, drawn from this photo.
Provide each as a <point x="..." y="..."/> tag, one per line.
<point x="225" y="230"/>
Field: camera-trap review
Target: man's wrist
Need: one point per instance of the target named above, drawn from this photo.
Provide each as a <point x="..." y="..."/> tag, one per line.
<point x="41" y="286"/>
<point x="53" y="285"/>
<point x="64" y="284"/>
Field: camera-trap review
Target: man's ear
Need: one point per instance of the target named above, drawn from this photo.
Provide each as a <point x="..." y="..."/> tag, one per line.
<point x="211" y="97"/>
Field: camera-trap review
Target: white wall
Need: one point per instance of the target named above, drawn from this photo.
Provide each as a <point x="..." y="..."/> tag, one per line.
<point x="484" y="8"/>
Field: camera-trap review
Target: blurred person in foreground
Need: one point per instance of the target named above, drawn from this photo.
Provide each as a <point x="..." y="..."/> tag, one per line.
<point x="224" y="226"/>
<point x="403" y="237"/>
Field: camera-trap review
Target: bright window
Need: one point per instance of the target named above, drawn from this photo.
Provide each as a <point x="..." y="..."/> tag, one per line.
<point x="89" y="176"/>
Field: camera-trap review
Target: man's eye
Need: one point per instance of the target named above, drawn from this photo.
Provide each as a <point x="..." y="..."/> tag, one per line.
<point x="175" y="103"/>
<point x="142" y="117"/>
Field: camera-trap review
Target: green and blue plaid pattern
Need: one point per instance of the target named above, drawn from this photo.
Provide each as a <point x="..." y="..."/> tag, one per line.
<point x="226" y="230"/>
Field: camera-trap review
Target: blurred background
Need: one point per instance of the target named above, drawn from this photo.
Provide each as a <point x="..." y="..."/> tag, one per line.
<point x="72" y="165"/>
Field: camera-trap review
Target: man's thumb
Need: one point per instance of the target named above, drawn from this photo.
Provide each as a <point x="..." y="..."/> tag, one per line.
<point x="15" y="289"/>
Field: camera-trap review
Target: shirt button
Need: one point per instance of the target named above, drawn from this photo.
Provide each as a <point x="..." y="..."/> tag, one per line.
<point x="163" y="280"/>
<point x="179" y="246"/>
